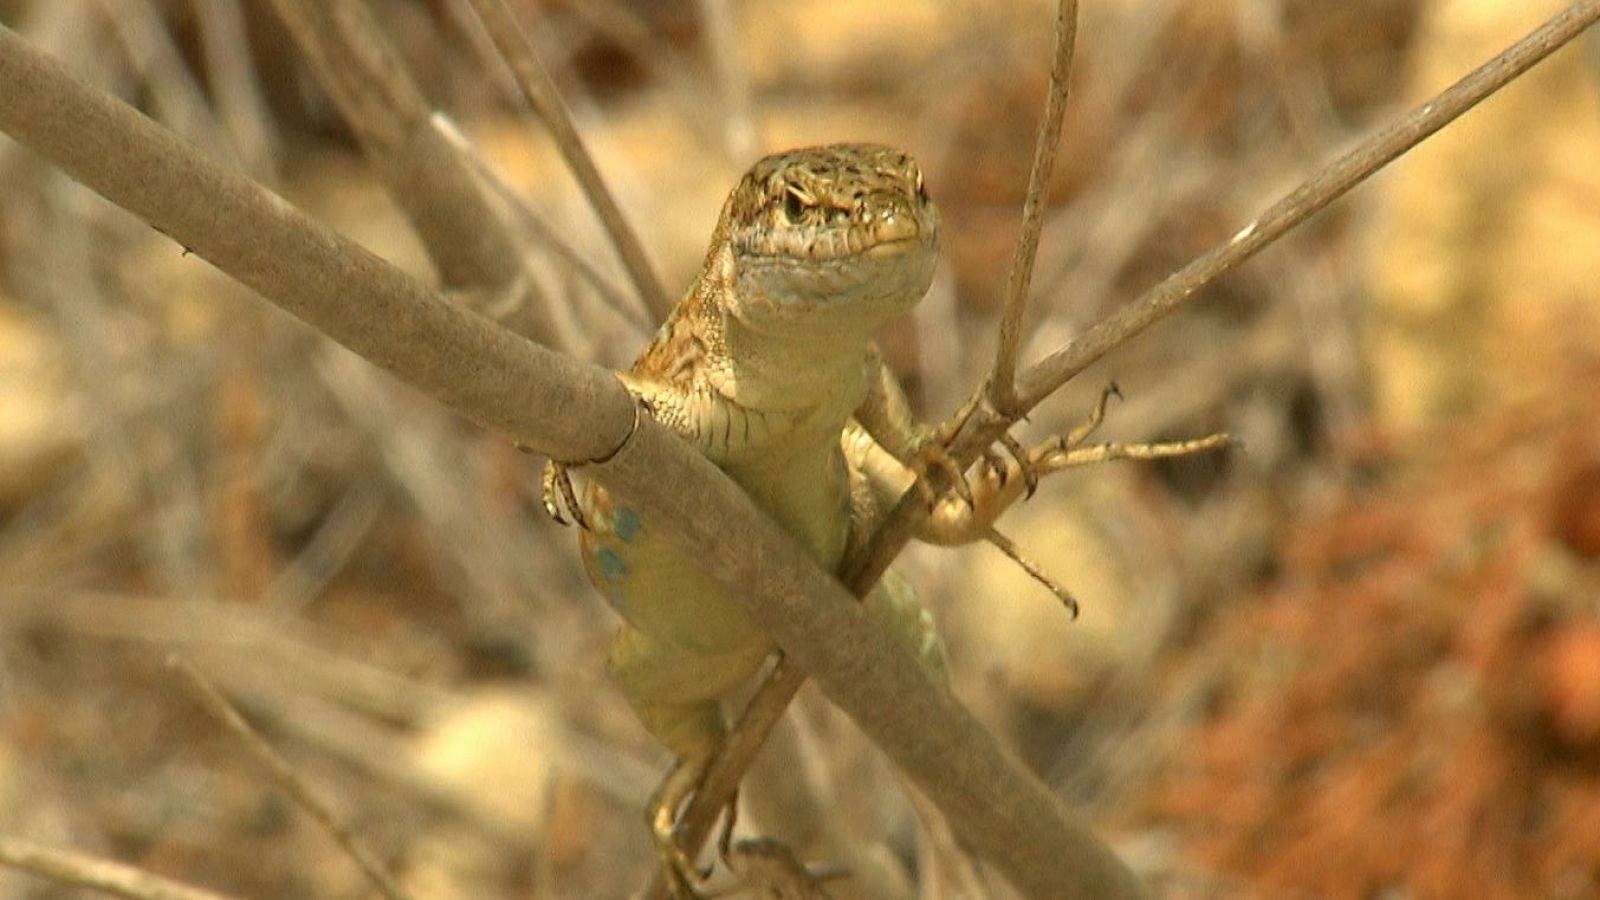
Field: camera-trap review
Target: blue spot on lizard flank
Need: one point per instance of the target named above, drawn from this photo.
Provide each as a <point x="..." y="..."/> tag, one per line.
<point x="611" y="565"/>
<point x="626" y="523"/>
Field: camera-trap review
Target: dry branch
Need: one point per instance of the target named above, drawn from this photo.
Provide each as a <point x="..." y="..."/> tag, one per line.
<point x="287" y="779"/>
<point x="540" y="90"/>
<point x="530" y="395"/>
<point x="93" y="873"/>
<point x="1003" y="389"/>
<point x="365" y="76"/>
<point x="1328" y="184"/>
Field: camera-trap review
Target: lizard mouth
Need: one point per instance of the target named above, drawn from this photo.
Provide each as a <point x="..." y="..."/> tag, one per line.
<point x="886" y="238"/>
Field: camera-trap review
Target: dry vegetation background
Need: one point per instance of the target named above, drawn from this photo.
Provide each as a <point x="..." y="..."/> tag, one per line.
<point x="1360" y="659"/>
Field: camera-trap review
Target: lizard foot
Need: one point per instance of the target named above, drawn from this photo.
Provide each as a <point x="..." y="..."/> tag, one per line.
<point x="1069" y="450"/>
<point x="930" y="452"/>
<point x="1001" y="483"/>
<point x="558" y="481"/>
<point x="1009" y="548"/>
<point x="682" y="877"/>
<point x="1028" y="462"/>
<point x="1032" y="465"/>
<point x="766" y="867"/>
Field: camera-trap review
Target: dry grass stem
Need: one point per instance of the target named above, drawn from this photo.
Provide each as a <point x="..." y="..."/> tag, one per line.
<point x="95" y="874"/>
<point x="366" y="77"/>
<point x="175" y="90"/>
<point x="1328" y="184"/>
<point x="1003" y="386"/>
<point x="540" y="91"/>
<point x="284" y="775"/>
<point x="722" y="39"/>
<point x="543" y="232"/>
<point x="240" y="104"/>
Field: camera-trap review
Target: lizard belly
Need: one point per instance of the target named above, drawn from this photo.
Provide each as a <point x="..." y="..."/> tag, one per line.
<point x="657" y="588"/>
<point x="664" y="593"/>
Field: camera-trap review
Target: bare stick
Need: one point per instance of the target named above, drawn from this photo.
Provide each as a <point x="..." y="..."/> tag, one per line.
<point x="176" y="93"/>
<point x="288" y="780"/>
<point x="622" y="24"/>
<point x="367" y="79"/>
<point x="224" y="44"/>
<point x="1003" y="386"/>
<point x="94" y="873"/>
<point x="541" y="92"/>
<point x="716" y="24"/>
<point x="1329" y="183"/>
<point x="537" y="228"/>
<point x="773" y="697"/>
<point x="526" y="392"/>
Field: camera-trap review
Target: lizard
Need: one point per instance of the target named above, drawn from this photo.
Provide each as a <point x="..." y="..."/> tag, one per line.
<point x="768" y="367"/>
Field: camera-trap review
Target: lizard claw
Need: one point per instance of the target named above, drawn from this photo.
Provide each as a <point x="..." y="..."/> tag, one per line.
<point x="683" y="878"/>
<point x="556" y="481"/>
<point x="1009" y="548"/>
<point x="931" y="451"/>
<point x="946" y="432"/>
<point x="934" y="456"/>
<point x="1030" y="475"/>
<point x="768" y="868"/>
<point x="1097" y="415"/>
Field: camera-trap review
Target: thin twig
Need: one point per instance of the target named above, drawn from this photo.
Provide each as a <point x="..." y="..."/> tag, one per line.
<point x="1003" y="386"/>
<point x="540" y="91"/>
<point x="774" y="696"/>
<point x="287" y="779"/>
<point x="1328" y="184"/>
<point x="660" y="60"/>
<point x="96" y="874"/>
<point x="716" y="24"/>
<point x="540" y="230"/>
<point x="365" y="75"/>
<point x="241" y="106"/>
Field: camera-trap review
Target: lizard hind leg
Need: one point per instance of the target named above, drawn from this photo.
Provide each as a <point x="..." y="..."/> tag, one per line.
<point x="683" y="878"/>
<point x="695" y="733"/>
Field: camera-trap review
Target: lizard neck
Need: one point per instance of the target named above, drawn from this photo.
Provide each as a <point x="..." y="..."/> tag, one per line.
<point x="816" y="364"/>
<point x="792" y="388"/>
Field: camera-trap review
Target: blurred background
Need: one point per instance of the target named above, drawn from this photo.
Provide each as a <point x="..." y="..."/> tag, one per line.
<point x="1360" y="658"/>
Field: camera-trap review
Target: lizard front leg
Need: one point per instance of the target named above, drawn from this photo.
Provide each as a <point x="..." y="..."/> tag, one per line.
<point x="886" y="450"/>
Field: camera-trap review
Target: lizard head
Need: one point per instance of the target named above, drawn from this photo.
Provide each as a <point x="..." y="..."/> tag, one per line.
<point x="845" y="230"/>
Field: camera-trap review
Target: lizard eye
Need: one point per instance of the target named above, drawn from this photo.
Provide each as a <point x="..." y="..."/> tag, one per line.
<point x="794" y="205"/>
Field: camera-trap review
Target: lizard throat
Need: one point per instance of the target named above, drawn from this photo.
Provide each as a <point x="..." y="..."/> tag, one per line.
<point x="855" y="292"/>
